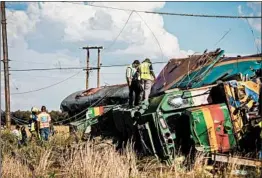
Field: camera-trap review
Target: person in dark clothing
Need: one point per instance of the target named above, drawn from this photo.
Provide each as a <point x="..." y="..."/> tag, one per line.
<point x="17" y="133"/>
<point x="133" y="83"/>
<point x="24" y="136"/>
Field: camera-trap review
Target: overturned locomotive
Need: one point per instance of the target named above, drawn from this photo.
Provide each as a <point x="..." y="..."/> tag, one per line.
<point x="211" y="107"/>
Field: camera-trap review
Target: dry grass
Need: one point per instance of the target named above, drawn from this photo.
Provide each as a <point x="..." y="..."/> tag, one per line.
<point x="14" y="168"/>
<point x="90" y="159"/>
<point x="62" y="129"/>
<point x="59" y="129"/>
<point x="87" y="161"/>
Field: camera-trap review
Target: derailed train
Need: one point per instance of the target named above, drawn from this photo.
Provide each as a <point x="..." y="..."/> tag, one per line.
<point x="212" y="107"/>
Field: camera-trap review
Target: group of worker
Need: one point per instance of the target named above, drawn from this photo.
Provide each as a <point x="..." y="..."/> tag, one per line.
<point x="140" y="78"/>
<point x="40" y="127"/>
<point x="40" y="124"/>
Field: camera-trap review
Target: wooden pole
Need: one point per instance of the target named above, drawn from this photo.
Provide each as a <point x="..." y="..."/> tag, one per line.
<point x="6" y="67"/>
<point x="87" y="66"/>
<point x="98" y="64"/>
<point x="98" y="67"/>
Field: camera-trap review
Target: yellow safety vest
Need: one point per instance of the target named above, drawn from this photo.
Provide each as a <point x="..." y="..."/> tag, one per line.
<point x="32" y="126"/>
<point x="144" y="71"/>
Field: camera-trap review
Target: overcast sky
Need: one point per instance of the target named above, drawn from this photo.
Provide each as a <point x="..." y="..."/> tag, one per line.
<point x="50" y="34"/>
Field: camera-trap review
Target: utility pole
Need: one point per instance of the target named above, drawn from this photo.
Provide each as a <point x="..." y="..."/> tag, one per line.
<point x="6" y="67"/>
<point x="98" y="67"/>
<point x="87" y="66"/>
<point x="98" y="63"/>
<point x="0" y="96"/>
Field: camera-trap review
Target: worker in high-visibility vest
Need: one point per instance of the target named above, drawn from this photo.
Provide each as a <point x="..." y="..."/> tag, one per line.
<point x="33" y="124"/>
<point x="133" y="83"/>
<point x="146" y="76"/>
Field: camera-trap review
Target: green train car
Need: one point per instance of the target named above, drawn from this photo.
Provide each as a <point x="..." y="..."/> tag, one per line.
<point x="217" y="118"/>
<point x="203" y="103"/>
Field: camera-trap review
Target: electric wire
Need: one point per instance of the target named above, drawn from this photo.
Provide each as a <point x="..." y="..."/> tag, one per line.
<point x="121" y="65"/>
<point x="152" y="34"/>
<point x="49" y="86"/>
<point x="109" y="46"/>
<point x="50" y="69"/>
<point x="76" y="68"/>
<point x="92" y="105"/>
<point x="178" y="14"/>
<point x="14" y="84"/>
<point x="254" y="38"/>
<point x="16" y="121"/>
<point x="42" y="77"/>
<point x="19" y="120"/>
<point x="222" y="37"/>
<point x="205" y="55"/>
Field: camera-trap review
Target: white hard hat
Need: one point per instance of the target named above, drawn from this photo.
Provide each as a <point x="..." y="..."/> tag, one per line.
<point x="34" y="109"/>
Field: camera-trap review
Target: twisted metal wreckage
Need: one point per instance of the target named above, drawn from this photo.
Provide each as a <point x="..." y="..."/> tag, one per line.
<point x="207" y="102"/>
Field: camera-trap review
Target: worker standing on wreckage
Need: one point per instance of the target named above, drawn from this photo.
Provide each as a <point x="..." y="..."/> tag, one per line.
<point x="133" y="83"/>
<point x="146" y="76"/>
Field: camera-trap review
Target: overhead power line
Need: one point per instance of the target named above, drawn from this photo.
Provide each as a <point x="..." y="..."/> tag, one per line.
<point x="119" y="32"/>
<point x="55" y="68"/>
<point x="39" y="89"/>
<point x="222" y="37"/>
<point x="76" y="68"/>
<point x="124" y="65"/>
<point x="153" y="35"/>
<point x="254" y="38"/>
<point x="108" y="93"/>
<point x="179" y="14"/>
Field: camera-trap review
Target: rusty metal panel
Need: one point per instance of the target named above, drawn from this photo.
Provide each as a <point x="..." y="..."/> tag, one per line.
<point x="176" y="69"/>
<point x="205" y="69"/>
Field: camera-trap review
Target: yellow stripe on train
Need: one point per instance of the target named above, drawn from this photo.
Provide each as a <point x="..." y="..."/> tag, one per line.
<point x="251" y="86"/>
<point x="210" y="129"/>
<point x="97" y="111"/>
